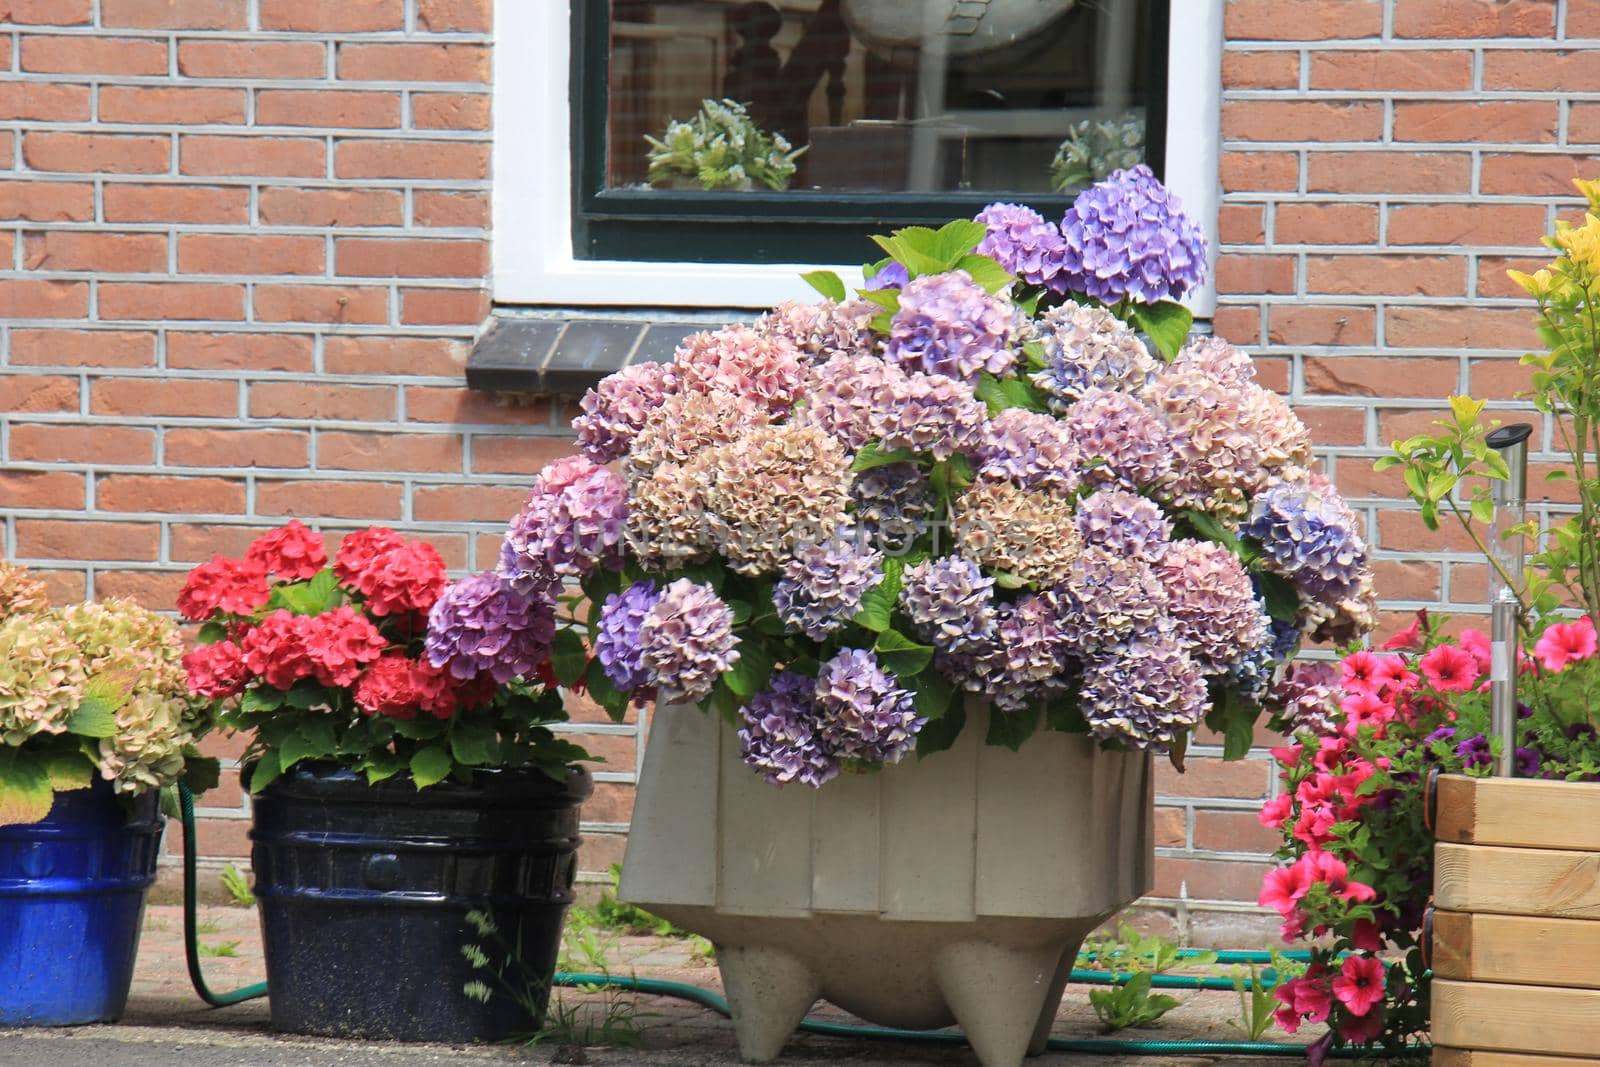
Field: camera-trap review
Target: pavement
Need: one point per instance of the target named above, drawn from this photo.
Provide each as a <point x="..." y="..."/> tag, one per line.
<point x="166" y="1024"/>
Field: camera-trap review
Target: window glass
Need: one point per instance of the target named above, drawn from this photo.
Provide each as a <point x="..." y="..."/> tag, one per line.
<point x="878" y="96"/>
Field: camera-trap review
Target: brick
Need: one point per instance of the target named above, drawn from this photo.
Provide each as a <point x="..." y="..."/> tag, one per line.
<point x="1389" y="172"/>
<point x="341" y="499"/>
<point x="1209" y="777"/>
<point x="157" y="397"/>
<point x="1583" y="19"/>
<point x="90" y="348"/>
<point x="1466" y="224"/>
<point x="1408" y="579"/>
<point x="437" y="356"/>
<point x="388" y="451"/>
<point x="100" y="251"/>
<point x="321" y="303"/>
<point x="1302" y="20"/>
<point x="93" y="55"/>
<point x="1302" y="120"/>
<point x="1255" y="274"/>
<point x="450" y="111"/>
<point x="205" y="204"/>
<point x="198" y="542"/>
<point x="1260" y="70"/>
<point x="1335" y="426"/>
<point x="1533" y="174"/>
<point x="1380" y="376"/>
<point x="35" y="393"/>
<point x="426" y="403"/>
<point x="414" y="62"/>
<point x="1403" y="531"/>
<point x="293" y="400"/>
<point x="217" y="838"/>
<point x="1458" y="327"/>
<point x="46" y="12"/>
<point x="466" y="503"/>
<point x="443" y="307"/>
<point x="44" y="101"/>
<point x="175" y="14"/>
<point x="99" y="445"/>
<point x="171" y="300"/>
<point x="333" y="16"/>
<point x="1241" y="224"/>
<point x="169" y="495"/>
<point x="194" y="447"/>
<point x="1392" y="69"/>
<point x="439" y="160"/>
<point x="214" y="253"/>
<point x="454" y="16"/>
<point x="1172" y="828"/>
<point x="239" y="351"/>
<point x="97" y="153"/>
<point x="29" y="299"/>
<point x="1474" y="18"/>
<point x="80" y="540"/>
<point x="517" y="455"/>
<point x="1583" y="124"/>
<point x="1542" y="71"/>
<point x="325" y="107"/>
<point x="1325" y="224"/>
<point x="43" y="201"/>
<point x="250" y="59"/>
<point x="1492" y="280"/>
<point x="1521" y="122"/>
<point x="1373" y="275"/>
<point x="1499" y="377"/>
<point x="163" y="104"/>
<point x="382" y="257"/>
<point x="462" y="210"/>
<point x="42" y="489"/>
<point x="1273" y="172"/>
<point x="332" y="207"/>
<point x="1273" y="374"/>
<point x="1320" y="323"/>
<point x="1233" y="831"/>
<point x="205" y="154"/>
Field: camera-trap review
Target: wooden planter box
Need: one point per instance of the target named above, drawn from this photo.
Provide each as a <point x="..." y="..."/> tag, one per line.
<point x="1516" y="926"/>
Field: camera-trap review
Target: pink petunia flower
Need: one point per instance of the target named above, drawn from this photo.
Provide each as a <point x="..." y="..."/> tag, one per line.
<point x="1409" y="639"/>
<point x="1359" y="983"/>
<point x="1283" y="887"/>
<point x="1357" y="672"/>
<point x="1276" y="811"/>
<point x="1566" y="642"/>
<point x="1450" y="670"/>
<point x="1360" y="1030"/>
<point x="1366" y="936"/>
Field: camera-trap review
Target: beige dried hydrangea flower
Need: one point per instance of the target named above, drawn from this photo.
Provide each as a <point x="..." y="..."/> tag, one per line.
<point x="42" y="675"/>
<point x="666" y="525"/>
<point x="686" y="423"/>
<point x="146" y="752"/>
<point x="824" y="329"/>
<point x="118" y="637"/>
<point x="20" y="592"/>
<point x="1030" y="533"/>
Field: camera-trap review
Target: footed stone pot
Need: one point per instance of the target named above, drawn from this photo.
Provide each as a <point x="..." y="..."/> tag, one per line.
<point x="954" y="889"/>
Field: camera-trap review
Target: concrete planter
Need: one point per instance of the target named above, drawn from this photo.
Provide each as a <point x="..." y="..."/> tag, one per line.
<point x="955" y="889"/>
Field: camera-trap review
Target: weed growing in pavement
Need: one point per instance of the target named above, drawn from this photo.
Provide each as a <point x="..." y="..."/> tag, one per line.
<point x="237" y="883"/>
<point x="223" y="948"/>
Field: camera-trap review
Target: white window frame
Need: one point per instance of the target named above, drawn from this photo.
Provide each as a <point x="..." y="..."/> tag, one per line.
<point x="533" y="257"/>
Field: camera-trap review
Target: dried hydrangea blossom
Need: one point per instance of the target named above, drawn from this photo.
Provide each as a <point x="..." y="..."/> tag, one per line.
<point x="1023" y="660"/>
<point x="1213" y="605"/>
<point x="820" y="587"/>
<point x="1307" y="698"/>
<point x="763" y="369"/>
<point x="146" y="751"/>
<point x="688" y="422"/>
<point x="844" y="393"/>
<point x="1144" y="690"/>
<point x="1119" y="440"/>
<point x="686" y="640"/>
<point x="667" y="525"/>
<point x="779" y="737"/>
<point x="825" y="329"/>
<point x="1215" y="357"/>
<point x="42" y="675"/>
<point x="1026" y="532"/>
<point x="948" y="324"/>
<point x="1128" y="236"/>
<point x="118" y="637"/>
<point x="772" y="489"/>
<point x="618" y="408"/>
<point x="1106" y="597"/>
<point x="863" y="714"/>
<point x="1218" y="461"/>
<point x="572" y="522"/>
<point x="1089" y="348"/>
<point x="949" y="603"/>
<point x="1031" y="449"/>
<point x="857" y="399"/>
<point x="1124" y="523"/>
<point x="1309" y="535"/>
<point x="20" y="592"/>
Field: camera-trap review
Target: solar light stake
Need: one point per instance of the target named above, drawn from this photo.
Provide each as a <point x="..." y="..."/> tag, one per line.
<point x="1510" y="510"/>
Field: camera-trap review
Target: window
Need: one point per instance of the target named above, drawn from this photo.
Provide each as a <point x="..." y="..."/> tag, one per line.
<point x="892" y="112"/>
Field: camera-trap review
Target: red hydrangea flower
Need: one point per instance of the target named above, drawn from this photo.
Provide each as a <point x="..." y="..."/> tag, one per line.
<point x="359" y="549"/>
<point x="1450" y="669"/>
<point x="403" y="580"/>
<point x="276" y="649"/>
<point x="1359" y="983"/>
<point x="340" y="642"/>
<point x="291" y="552"/>
<point x="216" y="671"/>
<point x="235" y="586"/>
<point x="390" y="687"/>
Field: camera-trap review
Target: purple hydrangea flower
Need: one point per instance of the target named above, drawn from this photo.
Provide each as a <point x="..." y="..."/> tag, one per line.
<point x="891" y="504"/>
<point x="1310" y="537"/>
<point x="619" y="407"/>
<point x="779" y="737"/>
<point x="949" y="324"/>
<point x="1107" y="598"/>
<point x="1127" y="237"/>
<point x="481" y="625"/>
<point x="1031" y="449"/>
<point x="1022" y="661"/>
<point x="892" y="276"/>
<point x="1125" y="524"/>
<point x="617" y="644"/>
<point x="572" y="522"/>
<point x="948" y="601"/>
<point x="1023" y="242"/>
<point x="1306" y="698"/>
<point x="820" y="588"/>
<point x="857" y="399"/>
<point x="1089" y="348"/>
<point x="1144" y="691"/>
<point x="1119" y="440"/>
<point x="1211" y="600"/>
<point x="864" y="714"/>
<point x="686" y="640"/>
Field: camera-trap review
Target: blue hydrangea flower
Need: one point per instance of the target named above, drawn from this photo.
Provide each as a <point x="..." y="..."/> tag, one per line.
<point x="616" y="644"/>
<point x="779" y="736"/>
<point x="1023" y="242"/>
<point x="948" y="601"/>
<point x="1128" y="237"/>
<point x="820" y="588"/>
<point x="949" y="324"/>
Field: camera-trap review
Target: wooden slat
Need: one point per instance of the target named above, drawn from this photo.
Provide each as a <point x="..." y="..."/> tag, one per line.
<point x="1462" y="1057"/>
<point x="1519" y="949"/>
<point x="1516" y="881"/>
<point x="1516" y="1018"/>
<point x="1518" y="813"/>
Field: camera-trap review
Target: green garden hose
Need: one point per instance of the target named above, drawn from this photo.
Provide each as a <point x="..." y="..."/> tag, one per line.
<point x="707" y="999"/>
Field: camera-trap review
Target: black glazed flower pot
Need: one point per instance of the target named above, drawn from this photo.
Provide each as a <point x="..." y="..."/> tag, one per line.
<point x="365" y="894"/>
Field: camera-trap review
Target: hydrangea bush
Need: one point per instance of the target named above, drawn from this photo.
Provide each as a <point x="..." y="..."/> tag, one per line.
<point x="375" y="661"/>
<point x="999" y="472"/>
<point x="90" y="690"/>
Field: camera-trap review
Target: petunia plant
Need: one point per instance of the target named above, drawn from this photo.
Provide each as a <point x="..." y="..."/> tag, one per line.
<point x="971" y="481"/>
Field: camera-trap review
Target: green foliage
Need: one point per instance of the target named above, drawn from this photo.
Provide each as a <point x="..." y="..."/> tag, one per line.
<point x="221" y="948"/>
<point x="1167" y="325"/>
<point x="1130" y="1004"/>
<point x="1256" y="1002"/>
<point x="25" y="794"/>
<point x="722" y="148"/>
<point x="238" y="886"/>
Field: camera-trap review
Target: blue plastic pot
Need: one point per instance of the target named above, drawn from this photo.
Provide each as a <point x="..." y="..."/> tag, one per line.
<point x="365" y="893"/>
<point x="72" y="892"/>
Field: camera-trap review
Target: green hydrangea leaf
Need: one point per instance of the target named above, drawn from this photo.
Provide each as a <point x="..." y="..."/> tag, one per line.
<point x="986" y="272"/>
<point x="939" y="734"/>
<point x="568" y="658"/>
<point x="1010" y="729"/>
<point x="25" y="794"/>
<point x="95" y="717"/>
<point x="430" y="765"/>
<point x="900" y="655"/>
<point x="828" y="284"/>
<point x="1167" y="325"/>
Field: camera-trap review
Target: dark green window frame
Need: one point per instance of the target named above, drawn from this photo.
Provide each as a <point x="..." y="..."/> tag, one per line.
<point x="760" y="226"/>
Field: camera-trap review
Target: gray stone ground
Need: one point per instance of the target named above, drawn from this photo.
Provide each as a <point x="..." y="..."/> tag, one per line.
<point x="167" y="1025"/>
